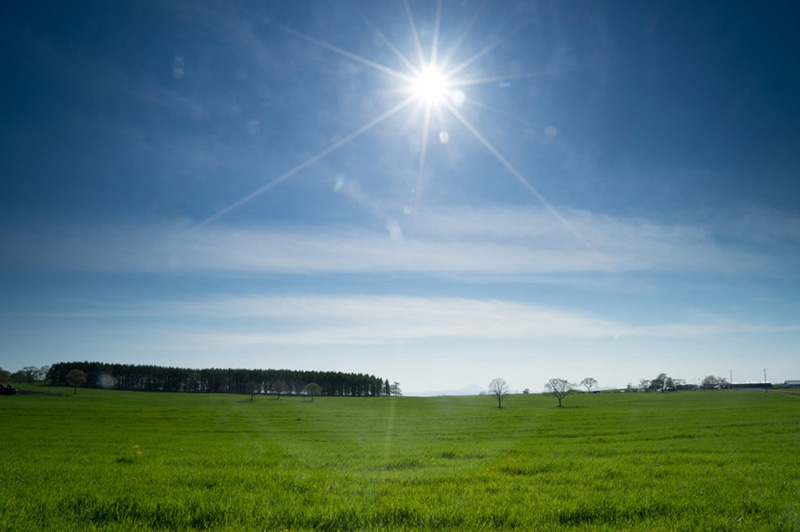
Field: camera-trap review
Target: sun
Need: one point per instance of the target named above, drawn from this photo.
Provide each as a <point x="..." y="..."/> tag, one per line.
<point x="434" y="85"/>
<point x="430" y="86"/>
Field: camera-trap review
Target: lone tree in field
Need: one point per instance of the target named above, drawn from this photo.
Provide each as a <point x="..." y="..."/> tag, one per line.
<point x="278" y="387"/>
<point x="499" y="389"/>
<point x="313" y="389"/>
<point x="254" y="388"/>
<point x="75" y="378"/>
<point x="589" y="383"/>
<point x="558" y="388"/>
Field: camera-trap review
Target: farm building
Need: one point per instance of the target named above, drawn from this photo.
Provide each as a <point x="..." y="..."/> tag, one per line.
<point x="792" y="384"/>
<point x="750" y="384"/>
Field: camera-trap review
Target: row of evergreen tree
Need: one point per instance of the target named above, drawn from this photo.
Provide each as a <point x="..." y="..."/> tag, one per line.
<point x="214" y="380"/>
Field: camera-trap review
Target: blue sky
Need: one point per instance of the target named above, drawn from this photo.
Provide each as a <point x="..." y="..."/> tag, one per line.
<point x="600" y="189"/>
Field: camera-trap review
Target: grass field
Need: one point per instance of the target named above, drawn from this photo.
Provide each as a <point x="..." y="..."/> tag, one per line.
<point x="110" y="460"/>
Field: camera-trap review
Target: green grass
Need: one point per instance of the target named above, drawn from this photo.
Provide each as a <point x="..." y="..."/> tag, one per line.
<point x="109" y="460"/>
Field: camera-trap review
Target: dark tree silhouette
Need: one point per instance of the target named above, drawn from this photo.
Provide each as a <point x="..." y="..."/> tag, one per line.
<point x="662" y="383"/>
<point x="216" y="380"/>
<point x="712" y="382"/>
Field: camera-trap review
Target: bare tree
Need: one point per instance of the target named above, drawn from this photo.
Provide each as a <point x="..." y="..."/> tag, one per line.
<point x="395" y="390"/>
<point x="279" y="387"/>
<point x="75" y="378"/>
<point x="589" y="383"/>
<point x="499" y="389"/>
<point x="254" y="388"/>
<point x="559" y="388"/>
<point x="313" y="389"/>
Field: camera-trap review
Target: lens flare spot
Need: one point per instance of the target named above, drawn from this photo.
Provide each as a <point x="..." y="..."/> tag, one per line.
<point x="395" y="233"/>
<point x="444" y="137"/>
<point x="340" y="182"/>
<point x="105" y="381"/>
<point x="457" y="97"/>
<point x="550" y="132"/>
<point x="178" y="66"/>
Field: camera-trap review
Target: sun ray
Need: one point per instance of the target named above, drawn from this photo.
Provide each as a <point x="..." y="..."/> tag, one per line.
<point x="414" y="34"/>
<point x="486" y="50"/>
<point x="493" y="109"/>
<point x="349" y="55"/>
<point x="422" y="152"/>
<point x="305" y="164"/>
<point x="514" y="172"/>
<point x="436" y="24"/>
<point x="467" y="82"/>
<point x="395" y="50"/>
<point x="462" y="36"/>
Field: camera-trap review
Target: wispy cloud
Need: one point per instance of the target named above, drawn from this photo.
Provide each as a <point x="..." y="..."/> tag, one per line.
<point x="491" y="242"/>
<point x="354" y="319"/>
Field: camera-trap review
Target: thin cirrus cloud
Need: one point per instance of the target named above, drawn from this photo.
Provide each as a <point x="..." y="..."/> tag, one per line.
<point x="355" y="319"/>
<point x="490" y="241"/>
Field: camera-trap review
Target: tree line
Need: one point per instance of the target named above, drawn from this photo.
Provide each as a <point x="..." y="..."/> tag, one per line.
<point x="215" y="380"/>
<point x="27" y="375"/>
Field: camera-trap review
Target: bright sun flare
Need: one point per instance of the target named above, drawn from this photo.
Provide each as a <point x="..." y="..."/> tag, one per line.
<point x="430" y="86"/>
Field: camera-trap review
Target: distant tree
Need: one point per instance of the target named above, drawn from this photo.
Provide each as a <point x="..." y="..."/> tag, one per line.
<point x="313" y="389"/>
<point x="712" y="382"/>
<point x="526" y="391"/>
<point x="644" y="385"/>
<point x="499" y="389"/>
<point x="4" y="375"/>
<point x="75" y="378"/>
<point x="279" y="387"/>
<point x="387" y="388"/>
<point x="41" y="374"/>
<point x="662" y="383"/>
<point x="395" y="389"/>
<point x="559" y="388"/>
<point x="253" y="387"/>
<point x="214" y="380"/>
<point x="589" y="383"/>
<point x="30" y="373"/>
